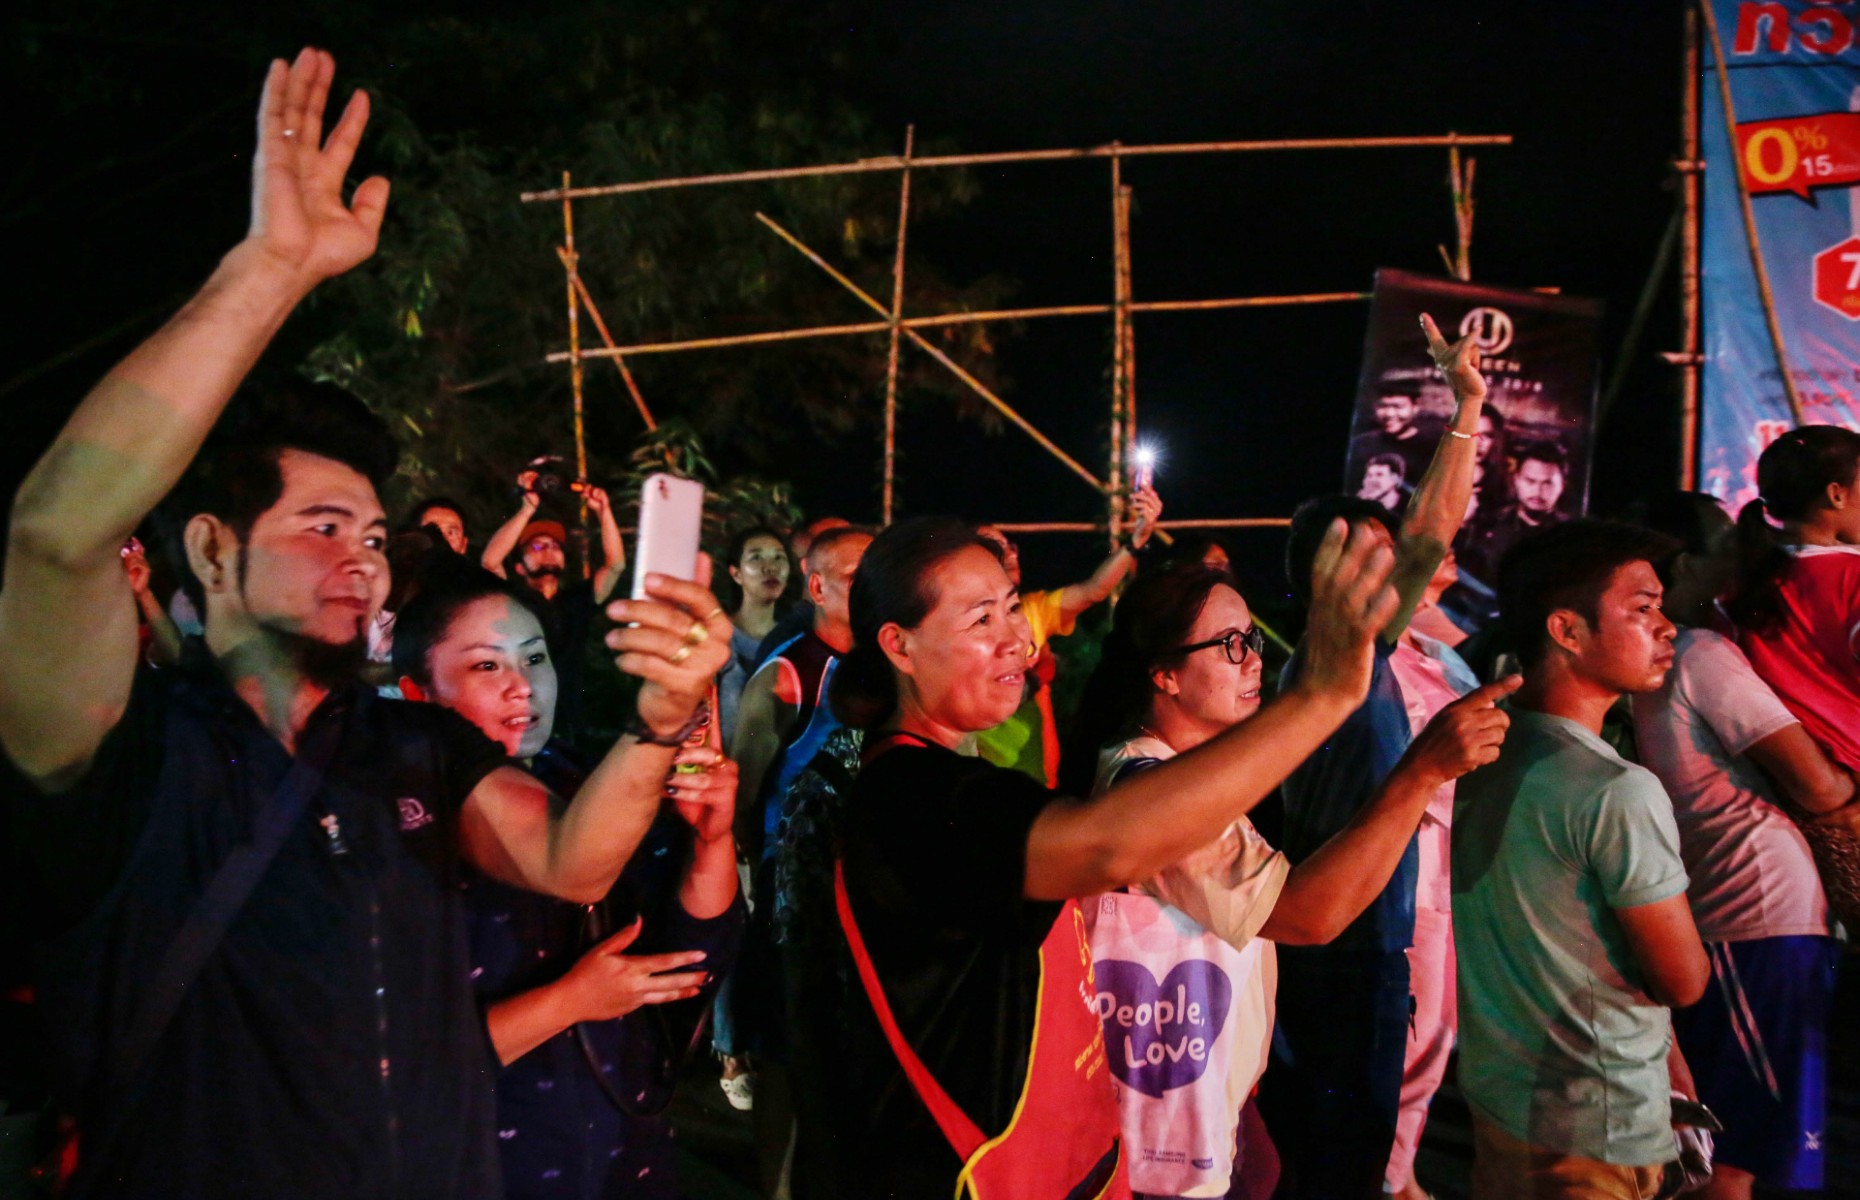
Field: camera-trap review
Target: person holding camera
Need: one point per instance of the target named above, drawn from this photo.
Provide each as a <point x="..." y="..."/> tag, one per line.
<point x="536" y="549"/>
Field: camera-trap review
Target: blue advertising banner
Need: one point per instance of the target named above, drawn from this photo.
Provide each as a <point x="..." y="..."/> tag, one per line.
<point x="1794" y="68"/>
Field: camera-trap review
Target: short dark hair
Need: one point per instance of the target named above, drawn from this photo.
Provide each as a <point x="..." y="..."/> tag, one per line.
<point x="831" y="537"/>
<point x="416" y="516"/>
<point x="236" y="476"/>
<point x="1310" y="522"/>
<point x="1547" y="451"/>
<point x="1683" y="516"/>
<point x="445" y="590"/>
<point x="1566" y="566"/>
<point x="894" y="585"/>
<point x="1393" y="462"/>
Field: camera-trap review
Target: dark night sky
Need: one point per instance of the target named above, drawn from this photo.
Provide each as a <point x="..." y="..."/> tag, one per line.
<point x="1252" y="408"/>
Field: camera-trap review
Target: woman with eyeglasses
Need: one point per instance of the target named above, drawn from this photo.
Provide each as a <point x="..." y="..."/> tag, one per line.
<point x="1191" y="948"/>
<point x="972" y="1059"/>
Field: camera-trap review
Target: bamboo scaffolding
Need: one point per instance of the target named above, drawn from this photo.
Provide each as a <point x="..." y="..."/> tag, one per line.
<point x="968" y="318"/>
<point x="607" y="339"/>
<point x="981" y="389"/>
<point x="897" y="326"/>
<point x="897" y="314"/>
<point x="1750" y="218"/>
<point x="896" y="163"/>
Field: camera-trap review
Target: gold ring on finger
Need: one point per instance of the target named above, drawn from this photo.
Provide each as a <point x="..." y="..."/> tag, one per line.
<point x="697" y="635"/>
<point x="712" y="615"/>
<point x="679" y="655"/>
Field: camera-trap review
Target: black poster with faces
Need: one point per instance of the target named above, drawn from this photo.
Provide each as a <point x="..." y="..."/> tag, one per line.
<point x="1538" y="354"/>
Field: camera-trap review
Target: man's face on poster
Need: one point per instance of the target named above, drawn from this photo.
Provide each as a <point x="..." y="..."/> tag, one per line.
<point x="1539" y="486"/>
<point x="1378" y="482"/>
<point x="1395" y="414"/>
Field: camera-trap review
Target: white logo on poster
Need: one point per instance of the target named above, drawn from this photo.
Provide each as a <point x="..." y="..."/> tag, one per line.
<point x="1490" y="329"/>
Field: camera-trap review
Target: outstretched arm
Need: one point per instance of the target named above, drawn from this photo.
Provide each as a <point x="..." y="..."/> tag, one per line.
<point x="505" y="539"/>
<point x="519" y="832"/>
<point x="1327" y="891"/>
<point x="613" y="549"/>
<point x="1077" y="597"/>
<point x="1159" y="816"/>
<point x="1438" y="506"/>
<point x="130" y="439"/>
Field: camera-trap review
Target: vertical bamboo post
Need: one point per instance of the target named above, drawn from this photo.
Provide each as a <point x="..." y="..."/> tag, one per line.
<point x="1460" y="184"/>
<point x="1130" y="330"/>
<point x="1120" y="345"/>
<point x="1750" y="217"/>
<point x="897" y="314"/>
<point x="1689" y="262"/>
<point x="571" y="267"/>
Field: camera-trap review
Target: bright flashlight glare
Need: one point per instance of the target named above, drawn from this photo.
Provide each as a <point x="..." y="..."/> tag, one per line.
<point x="1146" y="457"/>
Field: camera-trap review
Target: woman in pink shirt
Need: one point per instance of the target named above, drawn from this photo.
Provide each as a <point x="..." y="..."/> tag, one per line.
<point x="1797" y="605"/>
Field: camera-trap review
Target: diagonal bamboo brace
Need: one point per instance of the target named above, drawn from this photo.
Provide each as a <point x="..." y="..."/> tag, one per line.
<point x="981" y="389"/>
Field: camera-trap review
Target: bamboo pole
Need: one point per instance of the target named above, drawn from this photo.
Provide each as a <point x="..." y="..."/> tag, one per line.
<point x="896" y="163"/>
<point x="1750" y="218"/>
<point x="981" y="389"/>
<point x="1120" y="323"/>
<point x="1100" y="526"/>
<point x="607" y="339"/>
<point x="1130" y="332"/>
<point x="574" y="355"/>
<point x="1460" y="183"/>
<point x="897" y="314"/>
<point x="1689" y="168"/>
<point x="968" y="318"/>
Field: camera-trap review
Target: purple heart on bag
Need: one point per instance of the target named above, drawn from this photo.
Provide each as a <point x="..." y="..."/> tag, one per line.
<point x="1159" y="1036"/>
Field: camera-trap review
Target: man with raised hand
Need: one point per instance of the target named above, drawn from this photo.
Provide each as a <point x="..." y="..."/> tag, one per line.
<point x="1569" y="896"/>
<point x="250" y="955"/>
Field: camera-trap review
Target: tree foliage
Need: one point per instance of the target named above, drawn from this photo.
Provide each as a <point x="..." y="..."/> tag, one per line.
<point x="446" y="329"/>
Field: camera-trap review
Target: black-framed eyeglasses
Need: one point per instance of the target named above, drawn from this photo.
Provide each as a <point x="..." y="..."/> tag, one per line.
<point x="1236" y="645"/>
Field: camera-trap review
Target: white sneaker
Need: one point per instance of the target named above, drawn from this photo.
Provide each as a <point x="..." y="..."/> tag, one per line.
<point x="740" y="1091"/>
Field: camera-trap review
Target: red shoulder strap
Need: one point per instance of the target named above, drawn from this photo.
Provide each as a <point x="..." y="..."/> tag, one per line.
<point x="963" y="1135"/>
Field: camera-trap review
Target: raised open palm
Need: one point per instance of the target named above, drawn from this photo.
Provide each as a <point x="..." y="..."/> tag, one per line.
<point x="299" y="218"/>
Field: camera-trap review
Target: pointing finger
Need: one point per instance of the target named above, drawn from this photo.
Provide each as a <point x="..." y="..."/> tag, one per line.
<point x="1491" y="693"/>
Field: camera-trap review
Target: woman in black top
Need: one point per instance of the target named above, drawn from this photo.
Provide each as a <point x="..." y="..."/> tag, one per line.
<point x="956" y="872"/>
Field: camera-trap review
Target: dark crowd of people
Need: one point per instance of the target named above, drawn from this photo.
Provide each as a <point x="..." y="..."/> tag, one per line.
<point x="317" y="892"/>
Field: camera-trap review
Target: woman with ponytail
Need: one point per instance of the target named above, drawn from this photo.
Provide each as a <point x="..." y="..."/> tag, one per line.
<point x="1797" y="604"/>
<point x="972" y="1056"/>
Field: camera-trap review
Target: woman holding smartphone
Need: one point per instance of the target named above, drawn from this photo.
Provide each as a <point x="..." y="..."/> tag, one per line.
<point x="571" y="990"/>
<point x="973" y="1057"/>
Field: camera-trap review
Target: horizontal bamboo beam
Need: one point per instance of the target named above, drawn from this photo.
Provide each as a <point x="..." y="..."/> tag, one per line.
<point x="1100" y="527"/>
<point x="962" y="318"/>
<point x="894" y="162"/>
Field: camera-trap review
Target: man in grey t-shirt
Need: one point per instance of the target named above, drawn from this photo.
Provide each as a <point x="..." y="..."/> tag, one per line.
<point x="1569" y="907"/>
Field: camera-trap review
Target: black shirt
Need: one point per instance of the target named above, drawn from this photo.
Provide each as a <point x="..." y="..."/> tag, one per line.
<point x="566" y="620"/>
<point x="559" y="1131"/>
<point x="935" y="858"/>
<point x="331" y="1046"/>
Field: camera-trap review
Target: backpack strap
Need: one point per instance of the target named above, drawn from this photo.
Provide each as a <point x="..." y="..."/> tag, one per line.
<point x="963" y="1135"/>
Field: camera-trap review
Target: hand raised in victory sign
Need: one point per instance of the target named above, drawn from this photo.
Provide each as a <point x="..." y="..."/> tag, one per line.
<point x="299" y="220"/>
<point x="1459" y="362"/>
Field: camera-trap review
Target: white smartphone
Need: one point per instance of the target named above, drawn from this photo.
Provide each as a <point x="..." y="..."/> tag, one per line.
<point x="671" y="518"/>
